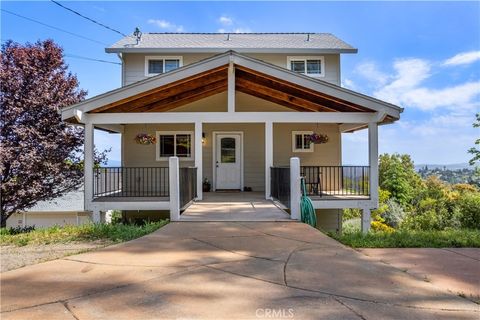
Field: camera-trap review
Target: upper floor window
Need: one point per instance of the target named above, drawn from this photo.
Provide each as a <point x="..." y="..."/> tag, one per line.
<point x="156" y="65"/>
<point x="311" y="66"/>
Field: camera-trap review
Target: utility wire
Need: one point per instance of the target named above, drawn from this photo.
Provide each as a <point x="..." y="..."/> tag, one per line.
<point x="49" y="26"/>
<point x="90" y="59"/>
<point x="89" y="19"/>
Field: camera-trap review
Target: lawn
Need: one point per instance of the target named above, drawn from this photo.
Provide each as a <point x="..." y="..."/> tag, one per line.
<point x="411" y="239"/>
<point x="88" y="232"/>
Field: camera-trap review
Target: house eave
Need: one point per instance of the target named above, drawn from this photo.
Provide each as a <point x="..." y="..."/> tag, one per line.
<point x="240" y="50"/>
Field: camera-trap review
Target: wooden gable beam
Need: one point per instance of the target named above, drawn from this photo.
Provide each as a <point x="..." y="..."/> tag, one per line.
<point x="271" y="93"/>
<point x="296" y="90"/>
<point x="184" y="98"/>
<point x="169" y="89"/>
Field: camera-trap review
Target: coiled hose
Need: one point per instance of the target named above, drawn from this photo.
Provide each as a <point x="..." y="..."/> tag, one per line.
<point x="306" y="207"/>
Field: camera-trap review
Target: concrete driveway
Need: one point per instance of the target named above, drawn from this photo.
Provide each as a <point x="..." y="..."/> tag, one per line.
<point x="225" y="270"/>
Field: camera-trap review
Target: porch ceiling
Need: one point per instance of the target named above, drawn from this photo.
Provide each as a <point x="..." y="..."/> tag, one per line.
<point x="176" y="94"/>
<point x="172" y="95"/>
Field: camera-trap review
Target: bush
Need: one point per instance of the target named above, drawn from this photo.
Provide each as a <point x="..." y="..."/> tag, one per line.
<point x="394" y="214"/>
<point x="469" y="210"/>
<point x="379" y="226"/>
<point x="19" y="229"/>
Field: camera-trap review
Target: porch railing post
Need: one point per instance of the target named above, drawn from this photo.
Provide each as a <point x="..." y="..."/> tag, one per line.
<point x="295" y="192"/>
<point x="174" y="183"/>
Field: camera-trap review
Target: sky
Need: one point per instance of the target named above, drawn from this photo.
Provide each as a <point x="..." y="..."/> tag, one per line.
<point x="422" y="56"/>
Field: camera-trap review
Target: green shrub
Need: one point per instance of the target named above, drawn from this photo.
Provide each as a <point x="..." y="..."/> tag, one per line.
<point x="349" y="214"/>
<point x="394" y="214"/>
<point x="469" y="210"/>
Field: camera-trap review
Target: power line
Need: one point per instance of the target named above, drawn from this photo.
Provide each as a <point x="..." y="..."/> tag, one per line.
<point x="56" y="28"/>
<point x="89" y="19"/>
<point x="90" y="59"/>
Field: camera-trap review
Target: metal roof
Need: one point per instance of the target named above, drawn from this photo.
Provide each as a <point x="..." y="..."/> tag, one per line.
<point x="241" y="42"/>
<point x="71" y="201"/>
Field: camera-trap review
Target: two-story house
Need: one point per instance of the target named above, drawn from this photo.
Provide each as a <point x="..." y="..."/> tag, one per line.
<point x="253" y="111"/>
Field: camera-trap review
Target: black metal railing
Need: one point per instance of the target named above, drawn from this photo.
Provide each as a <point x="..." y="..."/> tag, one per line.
<point x="280" y="184"/>
<point x="336" y="180"/>
<point x="188" y="185"/>
<point x="130" y="182"/>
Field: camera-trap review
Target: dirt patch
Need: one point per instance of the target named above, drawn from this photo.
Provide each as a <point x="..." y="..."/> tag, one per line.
<point x="13" y="257"/>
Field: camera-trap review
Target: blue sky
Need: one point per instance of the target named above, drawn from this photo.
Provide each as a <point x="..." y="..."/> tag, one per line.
<point x="424" y="56"/>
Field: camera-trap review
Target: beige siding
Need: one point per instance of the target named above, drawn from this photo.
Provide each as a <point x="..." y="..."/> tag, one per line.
<point x="134" y="64"/>
<point x="48" y="219"/>
<point x="136" y="155"/>
<point x="248" y="103"/>
<point x="324" y="154"/>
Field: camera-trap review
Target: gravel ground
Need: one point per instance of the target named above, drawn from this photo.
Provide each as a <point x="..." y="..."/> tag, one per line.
<point x="13" y="257"/>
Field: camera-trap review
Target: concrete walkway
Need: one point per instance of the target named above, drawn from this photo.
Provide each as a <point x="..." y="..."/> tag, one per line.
<point x="225" y="270"/>
<point x="454" y="269"/>
<point x="234" y="206"/>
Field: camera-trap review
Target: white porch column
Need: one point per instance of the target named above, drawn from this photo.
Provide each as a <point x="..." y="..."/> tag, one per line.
<point x="174" y="184"/>
<point x="295" y="193"/>
<point x="373" y="163"/>
<point x="231" y="87"/>
<point x="366" y="219"/>
<point x="199" y="158"/>
<point x="268" y="157"/>
<point x="88" y="165"/>
<point x="373" y="160"/>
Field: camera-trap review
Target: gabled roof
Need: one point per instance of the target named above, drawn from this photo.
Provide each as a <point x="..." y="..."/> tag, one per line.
<point x="240" y="42"/>
<point x="166" y="91"/>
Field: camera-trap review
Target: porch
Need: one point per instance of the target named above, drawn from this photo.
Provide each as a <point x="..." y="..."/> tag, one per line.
<point x="231" y="119"/>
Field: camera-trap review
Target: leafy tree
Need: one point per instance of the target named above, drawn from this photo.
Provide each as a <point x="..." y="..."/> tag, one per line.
<point x="475" y="151"/>
<point x="397" y="175"/>
<point x="40" y="154"/>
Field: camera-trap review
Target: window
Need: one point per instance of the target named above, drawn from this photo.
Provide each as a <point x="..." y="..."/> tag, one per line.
<point x="301" y="142"/>
<point x="175" y="143"/>
<point x="156" y="65"/>
<point x="311" y="66"/>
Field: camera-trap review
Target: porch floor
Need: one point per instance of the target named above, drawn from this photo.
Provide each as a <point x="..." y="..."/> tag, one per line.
<point x="234" y="206"/>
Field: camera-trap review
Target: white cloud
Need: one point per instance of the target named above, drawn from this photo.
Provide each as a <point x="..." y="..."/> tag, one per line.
<point x="230" y="25"/>
<point x="406" y="88"/>
<point x="166" y="25"/>
<point x="225" y="20"/>
<point x="463" y="58"/>
<point x="370" y="71"/>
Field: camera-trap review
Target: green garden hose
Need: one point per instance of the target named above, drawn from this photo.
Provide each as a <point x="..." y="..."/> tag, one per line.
<point x="306" y="208"/>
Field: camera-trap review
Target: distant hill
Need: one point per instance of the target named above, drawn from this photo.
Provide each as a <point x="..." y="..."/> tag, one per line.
<point x="114" y="163"/>
<point x="452" y="166"/>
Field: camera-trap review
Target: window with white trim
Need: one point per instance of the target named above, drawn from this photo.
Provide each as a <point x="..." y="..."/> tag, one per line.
<point x="174" y="143"/>
<point x="301" y="141"/>
<point x="156" y="64"/>
<point x="310" y="66"/>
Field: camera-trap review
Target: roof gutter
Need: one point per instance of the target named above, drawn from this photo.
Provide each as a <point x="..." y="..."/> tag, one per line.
<point x="240" y="50"/>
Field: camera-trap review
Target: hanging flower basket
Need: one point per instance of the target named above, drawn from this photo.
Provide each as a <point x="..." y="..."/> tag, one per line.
<point x="318" y="138"/>
<point x="144" y="138"/>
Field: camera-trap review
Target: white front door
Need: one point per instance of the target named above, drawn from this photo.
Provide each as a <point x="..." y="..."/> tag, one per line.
<point x="228" y="161"/>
